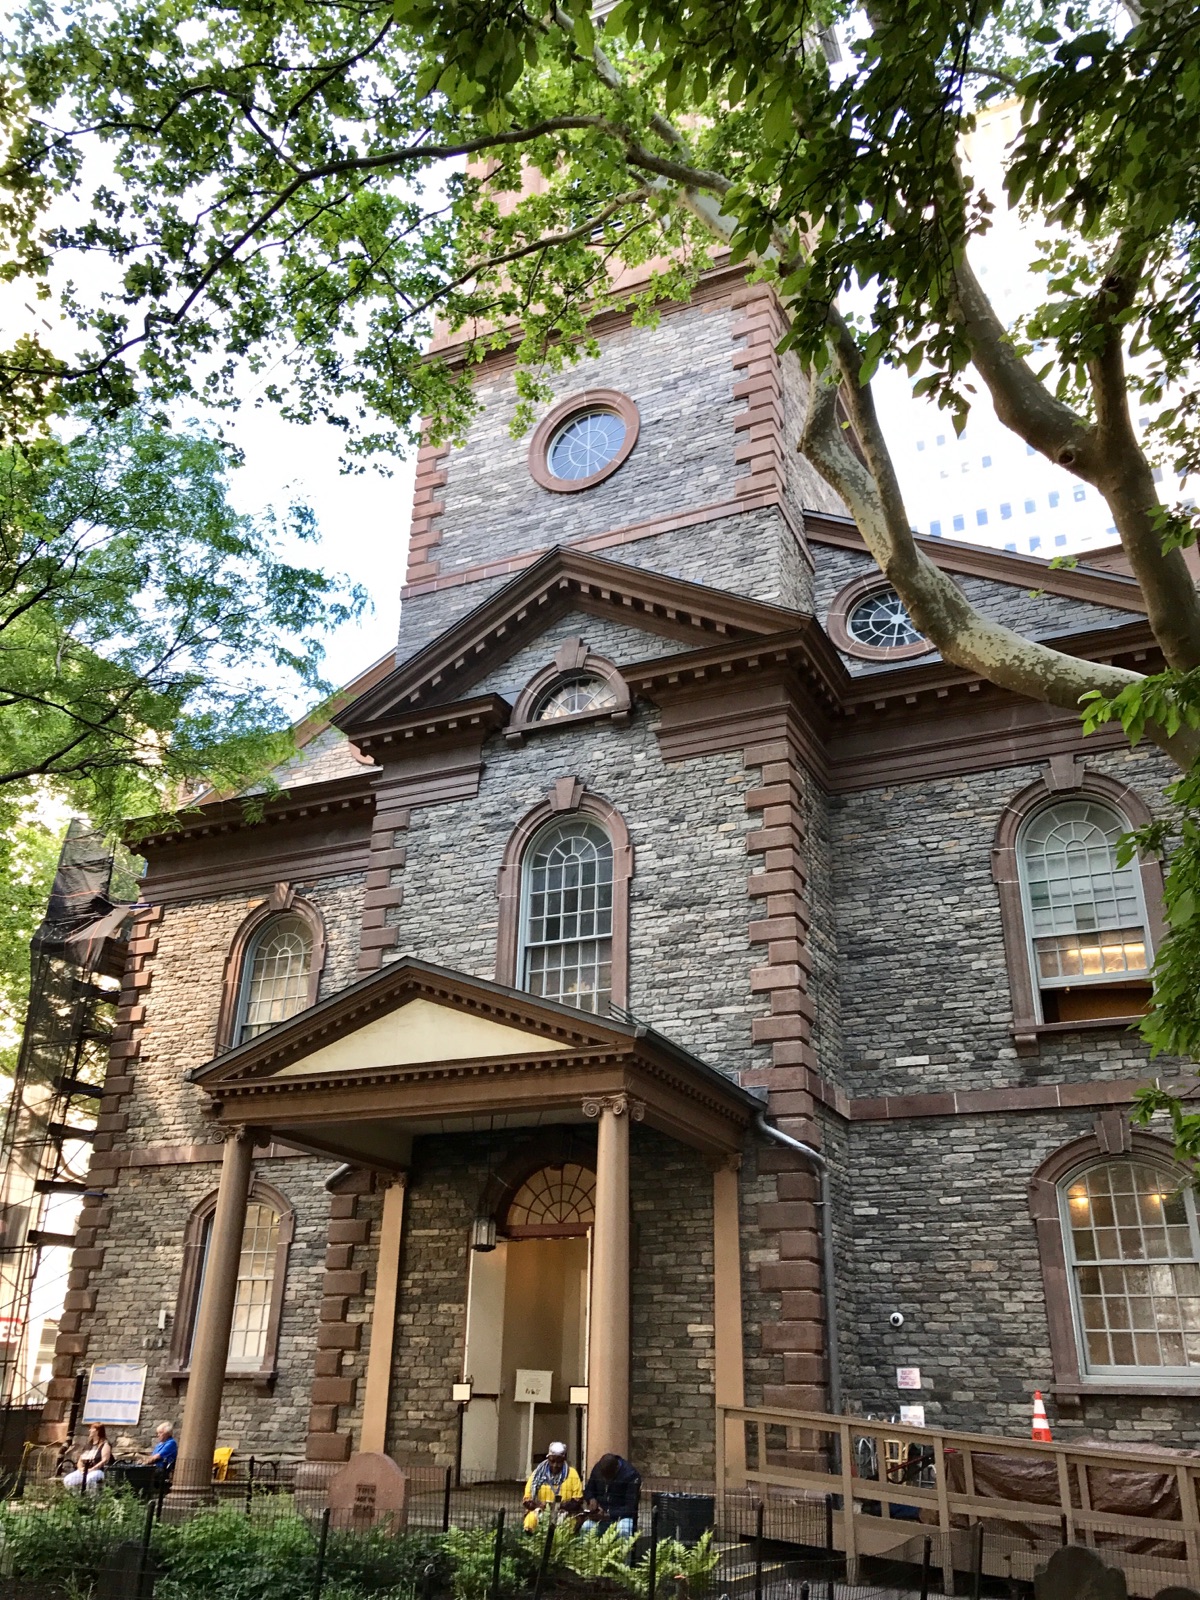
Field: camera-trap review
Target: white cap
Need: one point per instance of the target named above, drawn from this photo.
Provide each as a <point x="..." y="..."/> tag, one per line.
<point x="557" y="1449"/>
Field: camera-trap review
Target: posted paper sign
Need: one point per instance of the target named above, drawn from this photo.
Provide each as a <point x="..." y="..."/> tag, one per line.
<point x="115" y="1393"/>
<point x="908" y="1377"/>
<point x="533" y="1387"/>
<point x="914" y="1416"/>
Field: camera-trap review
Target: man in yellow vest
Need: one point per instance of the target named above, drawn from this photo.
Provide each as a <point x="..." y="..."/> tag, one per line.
<point x="552" y="1483"/>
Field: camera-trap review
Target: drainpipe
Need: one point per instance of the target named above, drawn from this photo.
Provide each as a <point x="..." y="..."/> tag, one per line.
<point x="338" y="1173"/>
<point x="829" y="1281"/>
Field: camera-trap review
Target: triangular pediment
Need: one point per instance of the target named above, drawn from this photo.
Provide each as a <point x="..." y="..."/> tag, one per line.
<point x="411" y="1015"/>
<point x="561" y="582"/>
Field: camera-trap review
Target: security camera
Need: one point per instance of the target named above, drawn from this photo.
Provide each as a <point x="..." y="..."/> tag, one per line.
<point x="897" y="1319"/>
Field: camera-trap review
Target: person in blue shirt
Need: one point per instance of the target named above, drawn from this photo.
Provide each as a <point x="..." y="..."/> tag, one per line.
<point x="165" y="1448"/>
<point x="611" y="1496"/>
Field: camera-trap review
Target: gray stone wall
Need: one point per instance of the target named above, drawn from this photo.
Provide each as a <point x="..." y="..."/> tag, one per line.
<point x="613" y="640"/>
<point x="690" y="957"/>
<point x="184" y="997"/>
<point x="671" y="1289"/>
<point x="680" y="377"/>
<point x="942" y="1233"/>
<point x="754" y="553"/>
<point x="143" y="1260"/>
<point x="915" y="896"/>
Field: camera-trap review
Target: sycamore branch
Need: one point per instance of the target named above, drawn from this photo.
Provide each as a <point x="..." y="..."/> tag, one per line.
<point x="937" y="605"/>
<point x="1106" y="454"/>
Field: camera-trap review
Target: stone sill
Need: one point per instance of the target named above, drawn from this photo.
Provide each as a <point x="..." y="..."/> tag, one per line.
<point x="1127" y="1391"/>
<point x="1028" y="1036"/>
<point x="175" y="1377"/>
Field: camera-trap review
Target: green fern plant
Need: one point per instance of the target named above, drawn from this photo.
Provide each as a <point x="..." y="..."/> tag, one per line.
<point x="593" y="1555"/>
<point x="675" y="1561"/>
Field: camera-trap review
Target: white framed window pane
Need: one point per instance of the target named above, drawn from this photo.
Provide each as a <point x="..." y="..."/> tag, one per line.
<point x="1084" y="912"/>
<point x="567" y="920"/>
<point x="276" y="976"/>
<point x="1132" y="1250"/>
<point x="255" y="1284"/>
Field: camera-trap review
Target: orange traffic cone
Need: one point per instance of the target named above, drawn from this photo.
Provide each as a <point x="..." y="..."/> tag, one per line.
<point x="1041" y="1427"/>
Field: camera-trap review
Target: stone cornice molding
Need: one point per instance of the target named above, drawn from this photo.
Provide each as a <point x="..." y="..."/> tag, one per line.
<point x="563" y="580"/>
<point x="1096" y="584"/>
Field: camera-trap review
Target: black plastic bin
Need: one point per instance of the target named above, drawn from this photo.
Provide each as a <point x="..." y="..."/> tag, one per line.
<point x="684" y="1516"/>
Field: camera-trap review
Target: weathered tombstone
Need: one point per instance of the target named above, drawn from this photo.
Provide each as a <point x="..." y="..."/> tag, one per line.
<point x="369" y="1491"/>
<point x="1076" y="1573"/>
<point x="1177" y="1592"/>
<point x="128" y="1574"/>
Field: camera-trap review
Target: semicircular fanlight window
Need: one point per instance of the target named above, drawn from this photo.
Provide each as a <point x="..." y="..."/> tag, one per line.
<point x="555" y="1197"/>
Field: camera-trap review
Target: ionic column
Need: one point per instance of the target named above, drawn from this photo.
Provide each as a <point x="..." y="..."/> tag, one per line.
<point x="608" y="1346"/>
<point x="214" y="1315"/>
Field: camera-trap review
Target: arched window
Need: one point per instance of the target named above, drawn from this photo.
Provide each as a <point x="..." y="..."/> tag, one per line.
<point x="567" y="915"/>
<point x="1085" y="915"/>
<point x="262" y="1271"/>
<point x="276" y="975"/>
<point x="556" y="1201"/>
<point x="1133" y="1261"/>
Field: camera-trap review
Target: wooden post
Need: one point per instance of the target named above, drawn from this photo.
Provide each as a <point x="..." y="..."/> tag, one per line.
<point x="214" y="1316"/>
<point x="1064" y="1493"/>
<point x="608" y="1357"/>
<point x="849" y="1531"/>
<point x="943" y="1498"/>
<point x="377" y="1393"/>
<point x="1191" y="1522"/>
<point x="728" y="1363"/>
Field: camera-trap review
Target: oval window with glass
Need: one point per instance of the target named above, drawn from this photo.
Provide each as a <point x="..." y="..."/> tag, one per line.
<point x="1133" y="1253"/>
<point x="585" y="445"/>
<point x="881" y="622"/>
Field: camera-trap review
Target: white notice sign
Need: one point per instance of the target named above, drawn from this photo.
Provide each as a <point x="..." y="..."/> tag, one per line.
<point x="533" y="1388"/>
<point x="913" y="1416"/>
<point x="908" y="1377"/>
<point x="115" y="1393"/>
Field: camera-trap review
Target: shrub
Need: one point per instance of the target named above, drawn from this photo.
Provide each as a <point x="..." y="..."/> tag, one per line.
<point x="224" y="1552"/>
<point x="69" y="1542"/>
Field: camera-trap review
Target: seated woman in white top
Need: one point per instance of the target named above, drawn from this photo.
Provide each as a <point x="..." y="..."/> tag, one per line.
<point x="89" y="1468"/>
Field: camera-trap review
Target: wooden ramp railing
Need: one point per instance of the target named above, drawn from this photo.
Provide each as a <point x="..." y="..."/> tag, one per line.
<point x="1028" y="1495"/>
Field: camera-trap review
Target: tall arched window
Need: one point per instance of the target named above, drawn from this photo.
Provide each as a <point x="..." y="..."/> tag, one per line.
<point x="567" y="915"/>
<point x="1085" y="915"/>
<point x="1133" y="1260"/>
<point x="262" y="1271"/>
<point x="276" y="975"/>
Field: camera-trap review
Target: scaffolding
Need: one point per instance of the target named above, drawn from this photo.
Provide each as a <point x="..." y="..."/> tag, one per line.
<point x="76" y="959"/>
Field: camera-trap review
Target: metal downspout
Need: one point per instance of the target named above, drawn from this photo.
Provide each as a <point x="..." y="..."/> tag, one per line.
<point x="827" y="1264"/>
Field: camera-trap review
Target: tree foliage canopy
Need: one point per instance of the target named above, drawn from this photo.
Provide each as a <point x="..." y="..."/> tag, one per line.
<point x="140" y="617"/>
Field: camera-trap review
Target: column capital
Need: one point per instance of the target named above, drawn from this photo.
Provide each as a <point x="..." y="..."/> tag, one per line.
<point x="619" y="1104"/>
<point x="728" y="1161"/>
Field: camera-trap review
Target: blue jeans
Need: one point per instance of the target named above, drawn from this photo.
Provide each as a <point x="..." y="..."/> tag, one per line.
<point x="623" y="1525"/>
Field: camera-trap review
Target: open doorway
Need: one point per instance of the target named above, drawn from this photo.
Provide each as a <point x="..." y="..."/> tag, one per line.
<point x="527" y="1309"/>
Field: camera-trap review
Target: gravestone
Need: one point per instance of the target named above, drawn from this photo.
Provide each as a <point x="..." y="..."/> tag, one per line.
<point x="368" y="1492"/>
<point x="1076" y="1573"/>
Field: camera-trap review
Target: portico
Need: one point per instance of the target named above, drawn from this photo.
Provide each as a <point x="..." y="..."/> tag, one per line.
<point x="417" y="1050"/>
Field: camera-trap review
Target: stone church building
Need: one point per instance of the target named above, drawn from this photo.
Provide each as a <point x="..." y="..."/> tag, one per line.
<point x="662" y="828"/>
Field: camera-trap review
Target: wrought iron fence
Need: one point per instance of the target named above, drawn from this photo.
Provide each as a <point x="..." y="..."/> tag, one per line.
<point x="266" y="1533"/>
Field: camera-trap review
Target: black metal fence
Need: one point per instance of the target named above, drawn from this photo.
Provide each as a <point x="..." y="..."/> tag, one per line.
<point x="267" y="1534"/>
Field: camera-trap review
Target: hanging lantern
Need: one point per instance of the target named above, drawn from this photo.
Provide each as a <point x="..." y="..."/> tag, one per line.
<point x="483" y="1233"/>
